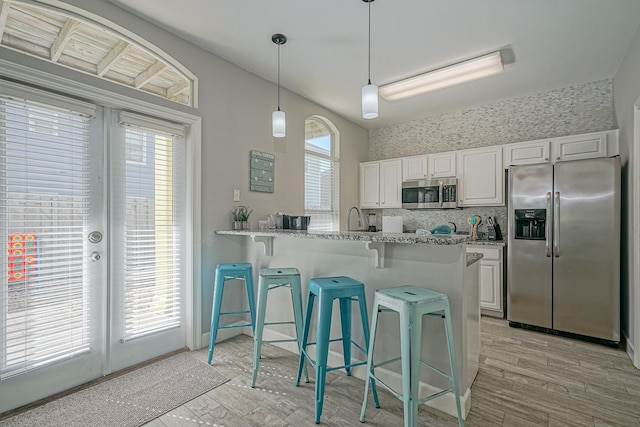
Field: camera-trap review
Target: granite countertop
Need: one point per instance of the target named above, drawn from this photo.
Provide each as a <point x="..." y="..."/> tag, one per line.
<point x="362" y="236"/>
<point x="486" y="242"/>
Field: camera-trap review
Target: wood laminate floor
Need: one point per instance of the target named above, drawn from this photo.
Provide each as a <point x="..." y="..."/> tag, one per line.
<point x="525" y="379"/>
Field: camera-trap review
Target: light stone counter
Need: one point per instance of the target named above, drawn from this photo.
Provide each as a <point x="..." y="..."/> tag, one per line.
<point x="360" y="236"/>
<point x="380" y="260"/>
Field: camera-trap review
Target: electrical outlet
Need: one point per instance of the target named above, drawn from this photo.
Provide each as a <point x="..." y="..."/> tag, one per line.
<point x="236" y="195"/>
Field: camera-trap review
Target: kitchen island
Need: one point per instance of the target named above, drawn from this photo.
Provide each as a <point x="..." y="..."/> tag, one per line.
<point x="382" y="260"/>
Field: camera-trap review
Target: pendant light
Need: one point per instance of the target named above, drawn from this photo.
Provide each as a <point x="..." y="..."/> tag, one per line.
<point x="278" y="117"/>
<point x="369" y="91"/>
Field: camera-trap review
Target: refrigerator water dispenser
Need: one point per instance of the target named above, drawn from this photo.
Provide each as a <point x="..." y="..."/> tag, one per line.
<point x="530" y="224"/>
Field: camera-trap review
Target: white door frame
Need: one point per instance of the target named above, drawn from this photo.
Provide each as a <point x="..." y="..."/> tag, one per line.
<point x="193" y="139"/>
<point x="634" y="316"/>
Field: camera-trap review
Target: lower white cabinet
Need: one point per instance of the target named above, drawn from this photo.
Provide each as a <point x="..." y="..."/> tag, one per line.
<point x="491" y="279"/>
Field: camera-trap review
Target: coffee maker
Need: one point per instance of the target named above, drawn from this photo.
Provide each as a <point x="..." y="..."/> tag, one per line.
<point x="371" y="220"/>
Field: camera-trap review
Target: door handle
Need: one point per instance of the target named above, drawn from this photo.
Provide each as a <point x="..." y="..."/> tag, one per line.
<point x="547" y="233"/>
<point x="556" y="225"/>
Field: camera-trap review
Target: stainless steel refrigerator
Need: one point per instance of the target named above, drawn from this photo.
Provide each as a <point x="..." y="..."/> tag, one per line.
<point x="564" y="248"/>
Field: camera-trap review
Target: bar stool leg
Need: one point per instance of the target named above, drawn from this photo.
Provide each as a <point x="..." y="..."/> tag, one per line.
<point x="345" y="320"/>
<point x="248" y="278"/>
<point x="263" y="293"/>
<point x="414" y="374"/>
<point x="367" y="335"/>
<point x="405" y="350"/>
<point x="325" y="309"/>
<point x="305" y="335"/>
<point x="370" y="363"/>
<point x="296" y="299"/>
<point x="215" y="313"/>
<point x="452" y="362"/>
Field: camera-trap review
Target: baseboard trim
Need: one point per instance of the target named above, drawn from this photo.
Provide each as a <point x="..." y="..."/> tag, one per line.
<point x="630" y="349"/>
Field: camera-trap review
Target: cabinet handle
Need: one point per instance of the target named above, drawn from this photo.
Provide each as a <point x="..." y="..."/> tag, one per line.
<point x="558" y="158"/>
<point x="546" y="159"/>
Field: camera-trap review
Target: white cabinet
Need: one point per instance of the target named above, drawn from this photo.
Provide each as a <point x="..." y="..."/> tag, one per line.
<point x="438" y="165"/>
<point x="415" y="167"/>
<point x="391" y="184"/>
<point x="527" y="153"/>
<point x="370" y="185"/>
<point x="586" y="146"/>
<point x="381" y="184"/>
<point x="491" y="283"/>
<point x="442" y="165"/>
<point x="481" y="177"/>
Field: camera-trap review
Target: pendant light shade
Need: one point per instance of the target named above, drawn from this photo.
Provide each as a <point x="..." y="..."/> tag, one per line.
<point x="369" y="91"/>
<point x="278" y="118"/>
<point x="369" y="101"/>
<point x="279" y="123"/>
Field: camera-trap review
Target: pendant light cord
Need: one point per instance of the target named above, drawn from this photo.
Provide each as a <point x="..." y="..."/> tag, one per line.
<point x="278" y="77"/>
<point x="369" y="72"/>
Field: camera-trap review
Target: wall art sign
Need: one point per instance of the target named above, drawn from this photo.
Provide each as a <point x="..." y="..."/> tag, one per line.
<point x="261" y="171"/>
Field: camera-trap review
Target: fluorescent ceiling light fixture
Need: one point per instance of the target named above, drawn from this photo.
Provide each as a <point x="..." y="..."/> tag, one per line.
<point x="462" y="72"/>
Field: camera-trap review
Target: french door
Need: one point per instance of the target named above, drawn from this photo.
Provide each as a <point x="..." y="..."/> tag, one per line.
<point x="90" y="216"/>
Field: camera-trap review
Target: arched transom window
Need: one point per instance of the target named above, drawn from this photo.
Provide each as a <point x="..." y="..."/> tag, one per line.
<point x="84" y="45"/>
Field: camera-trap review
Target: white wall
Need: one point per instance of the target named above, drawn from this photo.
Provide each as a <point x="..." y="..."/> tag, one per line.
<point x="626" y="84"/>
<point x="235" y="107"/>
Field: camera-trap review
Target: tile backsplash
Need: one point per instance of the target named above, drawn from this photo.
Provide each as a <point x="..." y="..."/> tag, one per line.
<point x="427" y="219"/>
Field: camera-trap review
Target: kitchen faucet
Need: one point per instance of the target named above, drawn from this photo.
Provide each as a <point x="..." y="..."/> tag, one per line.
<point x="348" y="217"/>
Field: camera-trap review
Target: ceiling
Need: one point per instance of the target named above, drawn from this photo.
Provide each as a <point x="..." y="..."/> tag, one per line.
<point x="546" y="45"/>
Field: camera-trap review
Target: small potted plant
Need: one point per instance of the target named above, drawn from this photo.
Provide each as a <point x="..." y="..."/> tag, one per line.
<point x="241" y="217"/>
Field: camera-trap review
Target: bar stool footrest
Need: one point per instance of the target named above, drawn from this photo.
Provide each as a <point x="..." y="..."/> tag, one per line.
<point x="433" y="396"/>
<point x="243" y="325"/>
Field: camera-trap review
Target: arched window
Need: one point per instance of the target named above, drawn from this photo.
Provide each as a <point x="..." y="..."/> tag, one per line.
<point x="321" y="174"/>
<point x="99" y="49"/>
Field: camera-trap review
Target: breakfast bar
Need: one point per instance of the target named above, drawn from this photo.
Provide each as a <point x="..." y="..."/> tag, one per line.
<point x="383" y="260"/>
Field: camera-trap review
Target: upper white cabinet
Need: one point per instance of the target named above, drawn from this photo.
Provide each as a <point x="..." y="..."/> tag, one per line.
<point x="415" y="167"/>
<point x="442" y="165"/>
<point x="370" y="185"/>
<point x="586" y="146"/>
<point x="391" y="184"/>
<point x="433" y="166"/>
<point x="381" y="184"/>
<point x="481" y="177"/>
<point x="527" y="153"/>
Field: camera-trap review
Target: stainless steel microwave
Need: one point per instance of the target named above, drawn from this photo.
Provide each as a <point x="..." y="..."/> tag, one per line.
<point x="430" y="194"/>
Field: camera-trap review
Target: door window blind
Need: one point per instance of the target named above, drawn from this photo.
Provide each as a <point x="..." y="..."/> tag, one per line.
<point x="44" y="200"/>
<point x="152" y="252"/>
<point x="321" y="178"/>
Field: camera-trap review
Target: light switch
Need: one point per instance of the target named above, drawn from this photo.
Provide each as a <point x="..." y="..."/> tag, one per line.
<point x="236" y="195"/>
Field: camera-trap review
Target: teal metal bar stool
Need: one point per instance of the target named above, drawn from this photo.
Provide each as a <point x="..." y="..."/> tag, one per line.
<point x="327" y="289"/>
<point x="224" y="273"/>
<point x="412" y="302"/>
<point x="270" y="279"/>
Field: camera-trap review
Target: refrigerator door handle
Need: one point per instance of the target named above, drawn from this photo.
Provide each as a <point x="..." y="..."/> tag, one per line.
<point x="547" y="233"/>
<point x="556" y="225"/>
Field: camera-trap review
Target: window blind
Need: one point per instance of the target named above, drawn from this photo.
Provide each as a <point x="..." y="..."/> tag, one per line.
<point x="44" y="201"/>
<point x="320" y="184"/>
<point x="151" y="254"/>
